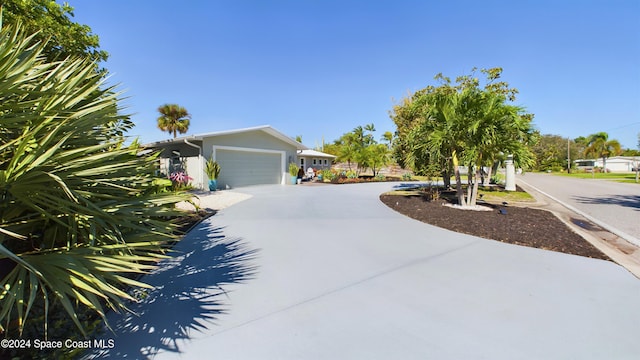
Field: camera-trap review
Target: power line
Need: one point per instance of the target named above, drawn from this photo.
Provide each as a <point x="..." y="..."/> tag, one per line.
<point x="624" y="126"/>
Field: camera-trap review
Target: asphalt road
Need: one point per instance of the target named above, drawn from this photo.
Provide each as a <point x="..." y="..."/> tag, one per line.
<point x="613" y="205"/>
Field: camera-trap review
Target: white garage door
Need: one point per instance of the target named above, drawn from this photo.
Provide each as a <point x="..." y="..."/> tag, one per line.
<point x="243" y="168"/>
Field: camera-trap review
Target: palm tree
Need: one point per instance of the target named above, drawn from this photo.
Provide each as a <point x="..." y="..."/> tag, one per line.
<point x="471" y="127"/>
<point x="347" y="148"/>
<point x="173" y="118"/>
<point x="600" y="146"/>
<point x="437" y="137"/>
<point x="78" y="211"/>
<point x="388" y="138"/>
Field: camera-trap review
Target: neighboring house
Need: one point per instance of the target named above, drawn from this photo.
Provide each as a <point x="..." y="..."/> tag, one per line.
<point x="614" y="164"/>
<point x="315" y="159"/>
<point x="251" y="156"/>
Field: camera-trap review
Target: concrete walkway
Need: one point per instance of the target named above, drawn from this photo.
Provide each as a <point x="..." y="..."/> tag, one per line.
<point x="338" y="275"/>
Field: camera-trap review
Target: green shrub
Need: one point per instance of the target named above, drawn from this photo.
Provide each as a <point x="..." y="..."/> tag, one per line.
<point x="212" y="169"/>
<point x="293" y="169"/>
<point x="328" y="175"/>
<point x="80" y="213"/>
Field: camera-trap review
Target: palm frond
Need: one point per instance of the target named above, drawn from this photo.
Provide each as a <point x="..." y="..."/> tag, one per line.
<point x="78" y="211"/>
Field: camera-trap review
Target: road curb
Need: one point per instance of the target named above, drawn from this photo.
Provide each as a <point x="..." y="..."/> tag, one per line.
<point x="605" y="226"/>
<point x="612" y="247"/>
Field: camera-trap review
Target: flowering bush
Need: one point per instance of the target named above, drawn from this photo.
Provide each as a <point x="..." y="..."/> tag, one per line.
<point x="180" y="180"/>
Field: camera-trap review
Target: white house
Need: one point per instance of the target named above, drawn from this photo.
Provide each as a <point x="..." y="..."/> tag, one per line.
<point x="250" y="156"/>
<point x="614" y="164"/>
<point x="314" y="159"/>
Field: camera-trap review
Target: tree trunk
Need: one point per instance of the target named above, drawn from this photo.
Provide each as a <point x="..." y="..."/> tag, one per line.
<point x="487" y="179"/>
<point x="456" y="171"/>
<point x="474" y="193"/>
<point x="446" y="175"/>
<point x="446" y="179"/>
<point x="470" y="170"/>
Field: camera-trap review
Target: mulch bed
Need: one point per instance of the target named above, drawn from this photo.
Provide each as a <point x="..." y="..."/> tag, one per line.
<point x="519" y="225"/>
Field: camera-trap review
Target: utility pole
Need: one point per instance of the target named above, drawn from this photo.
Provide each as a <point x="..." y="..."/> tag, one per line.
<point x="568" y="156"/>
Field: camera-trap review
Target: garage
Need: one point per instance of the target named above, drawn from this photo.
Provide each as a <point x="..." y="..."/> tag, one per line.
<point x="249" y="156"/>
<point x="244" y="167"/>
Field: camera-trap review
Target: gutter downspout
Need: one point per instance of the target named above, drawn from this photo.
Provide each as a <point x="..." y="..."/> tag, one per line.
<point x="200" y="168"/>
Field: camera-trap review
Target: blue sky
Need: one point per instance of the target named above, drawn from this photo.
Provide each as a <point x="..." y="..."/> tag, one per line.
<point x="320" y="68"/>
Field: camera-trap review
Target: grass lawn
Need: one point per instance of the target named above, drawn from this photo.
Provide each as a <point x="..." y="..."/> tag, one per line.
<point x="495" y="194"/>
<point x="453" y="179"/>
<point x="620" y="177"/>
<point x="490" y="194"/>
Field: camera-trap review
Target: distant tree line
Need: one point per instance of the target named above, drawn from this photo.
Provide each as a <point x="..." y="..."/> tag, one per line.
<point x="360" y="150"/>
<point x="553" y="151"/>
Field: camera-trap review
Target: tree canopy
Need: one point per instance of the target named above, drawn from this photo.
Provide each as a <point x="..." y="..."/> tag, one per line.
<point x="360" y="147"/>
<point x="599" y="145"/>
<point x="173" y="119"/>
<point x="551" y="152"/>
<point x="466" y="122"/>
<point x="51" y="24"/>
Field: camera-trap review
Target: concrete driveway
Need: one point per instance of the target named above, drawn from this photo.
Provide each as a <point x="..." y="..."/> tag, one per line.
<point x="338" y="275"/>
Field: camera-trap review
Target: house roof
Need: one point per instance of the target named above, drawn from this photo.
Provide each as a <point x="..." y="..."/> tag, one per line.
<point x="613" y="159"/>
<point x="265" y="128"/>
<point x="314" y="153"/>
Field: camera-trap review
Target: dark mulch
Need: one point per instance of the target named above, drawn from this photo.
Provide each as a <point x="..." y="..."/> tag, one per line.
<point x="519" y="225"/>
<point x="189" y="221"/>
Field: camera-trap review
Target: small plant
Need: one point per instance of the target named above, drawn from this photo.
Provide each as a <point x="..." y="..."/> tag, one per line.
<point x="212" y="169"/>
<point x="162" y="185"/>
<point x="180" y="180"/>
<point x="430" y="193"/>
<point x="380" y="177"/>
<point x="352" y="174"/>
<point x="328" y="175"/>
<point x="406" y="177"/>
<point x="293" y="169"/>
<point x="496" y="179"/>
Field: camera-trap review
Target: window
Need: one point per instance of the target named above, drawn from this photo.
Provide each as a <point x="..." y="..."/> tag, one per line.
<point x="302" y="162"/>
<point x="325" y="162"/>
<point x="315" y="161"/>
<point x="175" y="162"/>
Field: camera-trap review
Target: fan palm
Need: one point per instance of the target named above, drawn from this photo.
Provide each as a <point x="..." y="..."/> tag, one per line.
<point x="173" y="119"/>
<point x="78" y="210"/>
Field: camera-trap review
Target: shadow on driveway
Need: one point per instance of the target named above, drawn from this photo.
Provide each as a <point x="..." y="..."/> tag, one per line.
<point x="632" y="201"/>
<point x="186" y="295"/>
